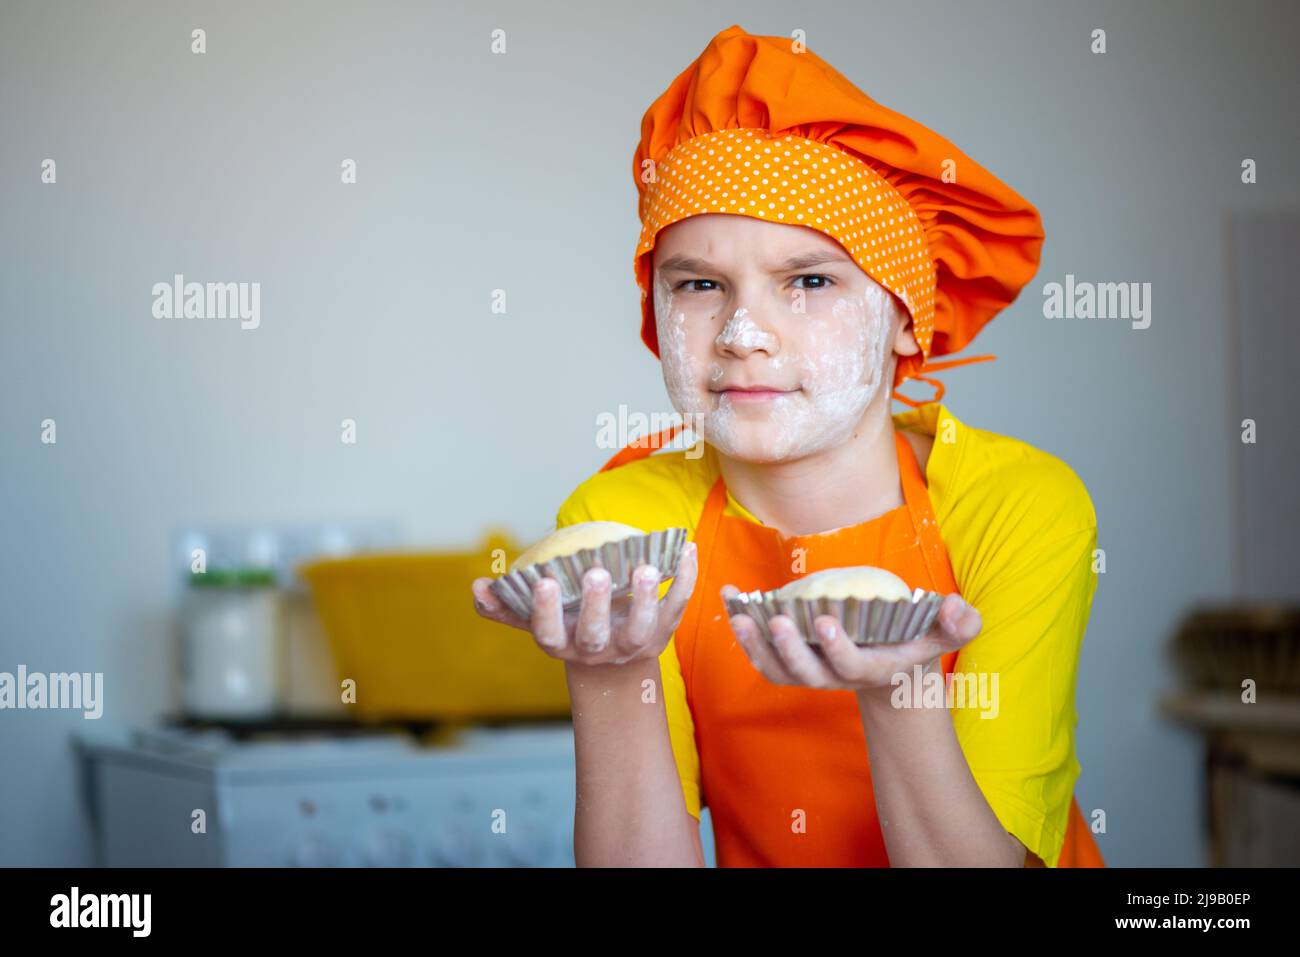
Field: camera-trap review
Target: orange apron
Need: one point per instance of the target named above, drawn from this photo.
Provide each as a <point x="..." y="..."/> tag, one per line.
<point x="767" y="750"/>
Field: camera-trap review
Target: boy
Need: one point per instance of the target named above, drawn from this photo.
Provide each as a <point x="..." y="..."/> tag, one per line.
<point x="803" y="252"/>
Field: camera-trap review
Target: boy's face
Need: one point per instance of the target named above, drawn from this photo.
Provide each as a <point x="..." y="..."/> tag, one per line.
<point x="741" y="303"/>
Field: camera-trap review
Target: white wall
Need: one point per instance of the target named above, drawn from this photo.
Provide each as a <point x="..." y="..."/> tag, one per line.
<point x="480" y="172"/>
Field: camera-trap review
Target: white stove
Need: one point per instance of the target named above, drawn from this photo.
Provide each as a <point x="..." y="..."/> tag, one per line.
<point x="496" y="797"/>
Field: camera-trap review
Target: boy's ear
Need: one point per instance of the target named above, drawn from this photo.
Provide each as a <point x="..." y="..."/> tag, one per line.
<point x="905" y="343"/>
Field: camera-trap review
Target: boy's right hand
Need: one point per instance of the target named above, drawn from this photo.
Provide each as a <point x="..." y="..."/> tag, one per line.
<point x="596" y="633"/>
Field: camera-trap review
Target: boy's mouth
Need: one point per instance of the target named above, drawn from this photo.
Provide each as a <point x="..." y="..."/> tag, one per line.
<point x="753" y="393"/>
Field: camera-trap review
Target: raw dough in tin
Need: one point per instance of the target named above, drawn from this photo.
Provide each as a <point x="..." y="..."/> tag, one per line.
<point x="574" y="538"/>
<point x="859" y="581"/>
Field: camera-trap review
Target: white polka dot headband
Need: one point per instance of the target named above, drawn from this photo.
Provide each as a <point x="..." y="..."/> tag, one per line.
<point x="785" y="178"/>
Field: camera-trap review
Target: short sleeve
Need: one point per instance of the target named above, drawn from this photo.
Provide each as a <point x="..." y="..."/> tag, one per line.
<point x="1017" y="731"/>
<point x="575" y="509"/>
<point x="681" y="727"/>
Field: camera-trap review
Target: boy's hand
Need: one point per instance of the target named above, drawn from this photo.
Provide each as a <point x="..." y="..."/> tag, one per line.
<point x="837" y="663"/>
<point x="599" y="633"/>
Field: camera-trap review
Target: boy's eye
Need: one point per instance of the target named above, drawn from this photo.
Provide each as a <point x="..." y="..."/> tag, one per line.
<point x="826" y="280"/>
<point x="689" y="281"/>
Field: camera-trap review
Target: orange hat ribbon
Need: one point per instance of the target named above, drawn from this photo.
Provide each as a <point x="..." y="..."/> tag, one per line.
<point x="929" y="366"/>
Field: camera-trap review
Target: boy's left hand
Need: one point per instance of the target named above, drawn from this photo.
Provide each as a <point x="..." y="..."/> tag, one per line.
<point x="838" y="663"/>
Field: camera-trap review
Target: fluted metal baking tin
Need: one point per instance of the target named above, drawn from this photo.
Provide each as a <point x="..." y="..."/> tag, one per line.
<point x="663" y="549"/>
<point x="876" y="621"/>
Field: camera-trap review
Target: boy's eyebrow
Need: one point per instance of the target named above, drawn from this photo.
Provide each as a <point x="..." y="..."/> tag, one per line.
<point x="817" y="258"/>
<point x="683" y="263"/>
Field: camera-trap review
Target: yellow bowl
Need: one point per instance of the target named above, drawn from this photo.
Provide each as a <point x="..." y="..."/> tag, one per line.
<point x="403" y="626"/>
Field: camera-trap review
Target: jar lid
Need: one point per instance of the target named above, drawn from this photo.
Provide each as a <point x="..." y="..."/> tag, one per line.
<point x="233" y="578"/>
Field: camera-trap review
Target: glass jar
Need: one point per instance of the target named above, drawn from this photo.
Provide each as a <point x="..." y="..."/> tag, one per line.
<point x="232" y="649"/>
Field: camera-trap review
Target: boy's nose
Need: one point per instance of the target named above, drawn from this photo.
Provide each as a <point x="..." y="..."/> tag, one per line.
<point x="744" y="333"/>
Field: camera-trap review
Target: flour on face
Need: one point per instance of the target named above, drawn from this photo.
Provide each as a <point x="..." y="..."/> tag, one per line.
<point x="742" y="331"/>
<point x="840" y="367"/>
<point x="836" y="363"/>
<point x="683" y="370"/>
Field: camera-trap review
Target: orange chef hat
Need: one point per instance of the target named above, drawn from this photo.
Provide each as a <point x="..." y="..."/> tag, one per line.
<point x="755" y="127"/>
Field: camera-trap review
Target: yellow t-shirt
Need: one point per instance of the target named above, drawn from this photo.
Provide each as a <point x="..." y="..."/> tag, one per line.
<point x="1020" y="531"/>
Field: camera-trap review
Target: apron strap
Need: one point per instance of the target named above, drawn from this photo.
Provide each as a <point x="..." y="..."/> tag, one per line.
<point x="643" y="447"/>
<point x="706" y="532"/>
<point x="933" y="551"/>
<point x="919" y="507"/>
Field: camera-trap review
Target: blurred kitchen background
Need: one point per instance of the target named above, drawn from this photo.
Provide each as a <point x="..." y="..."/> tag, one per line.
<point x="327" y="560"/>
